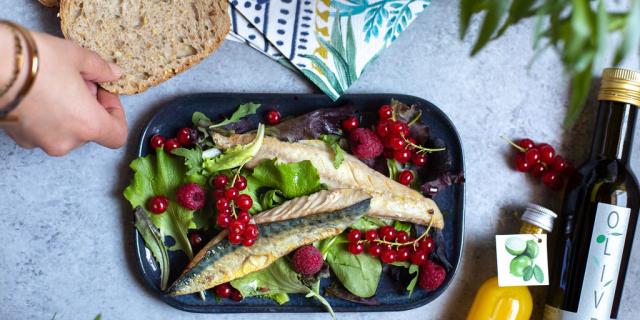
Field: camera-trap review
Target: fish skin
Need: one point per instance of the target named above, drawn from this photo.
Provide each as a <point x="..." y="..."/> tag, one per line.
<point x="222" y="262"/>
<point x="390" y="199"/>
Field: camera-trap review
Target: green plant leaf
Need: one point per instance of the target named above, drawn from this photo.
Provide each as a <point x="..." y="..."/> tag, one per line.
<point x="412" y="285"/>
<point x="359" y="274"/>
<point x="153" y="240"/>
<point x="333" y="142"/>
<point x="631" y="36"/>
<point x="243" y="110"/>
<point x="601" y="35"/>
<point x="237" y="155"/>
<point x="495" y="11"/>
<point x="538" y="274"/>
<point x="403" y="226"/>
<point x="518" y="10"/>
<point x="581" y="83"/>
<point x="292" y="179"/>
<point x="467" y="9"/>
<point x="162" y="174"/>
<point x="367" y="223"/>
<point x="394" y="168"/>
<point x="193" y="161"/>
<point x="198" y="118"/>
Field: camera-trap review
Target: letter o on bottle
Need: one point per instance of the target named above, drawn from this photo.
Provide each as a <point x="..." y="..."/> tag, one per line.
<point x="614" y="215"/>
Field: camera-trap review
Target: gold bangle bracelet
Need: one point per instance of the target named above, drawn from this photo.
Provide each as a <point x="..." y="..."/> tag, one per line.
<point x="17" y="68"/>
<point x="33" y="67"/>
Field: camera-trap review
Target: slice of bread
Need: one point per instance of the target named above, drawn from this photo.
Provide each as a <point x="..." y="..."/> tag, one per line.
<point x="151" y="40"/>
<point x="49" y="3"/>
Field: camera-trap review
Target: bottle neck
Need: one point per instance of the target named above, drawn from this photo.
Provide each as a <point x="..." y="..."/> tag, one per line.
<point x="528" y="228"/>
<point x="613" y="137"/>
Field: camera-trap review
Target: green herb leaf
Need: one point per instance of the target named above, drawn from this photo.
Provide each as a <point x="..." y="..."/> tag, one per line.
<point x="403" y="226"/>
<point x="162" y="175"/>
<point x="291" y="179"/>
<point x="193" y="161"/>
<point x="333" y="142"/>
<point x="243" y="110"/>
<point x="277" y="279"/>
<point x="495" y="11"/>
<point x="359" y="274"/>
<point x="631" y="37"/>
<point x="394" y="168"/>
<point x="200" y="119"/>
<point x="580" y="86"/>
<point x="153" y="240"/>
<point x="236" y="156"/>
<point x="367" y="223"/>
<point x="271" y="199"/>
<point x="414" y="268"/>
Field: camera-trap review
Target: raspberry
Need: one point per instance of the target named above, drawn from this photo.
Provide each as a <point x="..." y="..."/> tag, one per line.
<point x="365" y="144"/>
<point x="191" y="196"/>
<point x="431" y="276"/>
<point x="307" y="260"/>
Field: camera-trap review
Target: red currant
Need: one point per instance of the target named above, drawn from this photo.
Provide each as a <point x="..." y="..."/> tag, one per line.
<point x="157" y="141"/>
<point x="235" y="295"/>
<point x="547" y="153"/>
<point x="374" y="250"/>
<point x="405" y="177"/>
<point x="223" y="219"/>
<point x="195" y="238"/>
<point x="158" y="204"/>
<point x="388" y="256"/>
<point x="559" y="164"/>
<point x="251" y="231"/>
<point x="385" y="112"/>
<point x="532" y="156"/>
<point x="551" y="179"/>
<point x="419" y="160"/>
<point x="396" y="143"/>
<point x="371" y="235"/>
<point x="220" y="181"/>
<point x="218" y="194"/>
<point x="231" y="194"/>
<point x="521" y="163"/>
<point x="402" y="237"/>
<point x="538" y="170"/>
<point x="223" y="290"/>
<point x="526" y="143"/>
<point x="355" y="248"/>
<point x="427" y="245"/>
<point x="387" y="233"/>
<point x="403" y="156"/>
<point x="187" y="136"/>
<point x="403" y="254"/>
<point x="399" y="128"/>
<point x="171" y="144"/>
<point x="244" y="202"/>
<point x="241" y="183"/>
<point x="244" y="217"/>
<point x="236" y="227"/>
<point x="350" y="123"/>
<point x="273" y="117"/>
<point x="354" y="235"/>
<point x="419" y="257"/>
<point x="235" y="238"/>
<point x="382" y="128"/>
<point x="248" y="242"/>
<point x="222" y="204"/>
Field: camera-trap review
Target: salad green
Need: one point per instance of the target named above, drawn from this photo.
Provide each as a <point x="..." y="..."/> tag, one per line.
<point x="236" y="156"/>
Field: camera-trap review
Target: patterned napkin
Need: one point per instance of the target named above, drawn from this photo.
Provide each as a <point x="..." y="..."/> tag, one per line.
<point x="330" y="41"/>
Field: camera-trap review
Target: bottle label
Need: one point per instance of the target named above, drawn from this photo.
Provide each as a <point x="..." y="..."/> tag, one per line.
<point x="603" y="264"/>
<point x="522" y="260"/>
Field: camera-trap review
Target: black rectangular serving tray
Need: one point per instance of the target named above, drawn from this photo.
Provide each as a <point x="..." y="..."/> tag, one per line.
<point x="177" y="113"/>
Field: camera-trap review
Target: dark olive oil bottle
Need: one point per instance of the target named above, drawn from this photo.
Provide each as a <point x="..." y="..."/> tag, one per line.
<point x="600" y="211"/>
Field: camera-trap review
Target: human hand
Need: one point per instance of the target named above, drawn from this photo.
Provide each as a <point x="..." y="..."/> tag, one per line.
<point x="65" y="108"/>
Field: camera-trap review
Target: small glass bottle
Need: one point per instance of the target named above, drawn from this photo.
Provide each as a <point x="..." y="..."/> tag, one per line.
<point x="493" y="302"/>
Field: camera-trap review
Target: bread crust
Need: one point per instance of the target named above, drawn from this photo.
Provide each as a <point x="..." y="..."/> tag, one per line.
<point x="123" y="87"/>
<point x="49" y="3"/>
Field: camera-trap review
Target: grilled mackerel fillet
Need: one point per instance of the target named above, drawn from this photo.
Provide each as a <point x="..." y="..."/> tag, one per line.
<point x="389" y="200"/>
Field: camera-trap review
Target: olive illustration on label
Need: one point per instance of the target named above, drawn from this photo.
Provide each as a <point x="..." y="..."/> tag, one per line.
<point x="518" y="264"/>
<point x="532" y="248"/>
<point x="515" y="246"/>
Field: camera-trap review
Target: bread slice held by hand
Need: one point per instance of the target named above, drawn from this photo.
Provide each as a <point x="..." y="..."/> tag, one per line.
<point x="151" y="40"/>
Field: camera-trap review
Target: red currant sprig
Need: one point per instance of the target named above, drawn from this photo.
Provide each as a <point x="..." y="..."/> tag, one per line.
<point x="391" y="245"/>
<point x="541" y="161"/>
<point x="232" y="207"/>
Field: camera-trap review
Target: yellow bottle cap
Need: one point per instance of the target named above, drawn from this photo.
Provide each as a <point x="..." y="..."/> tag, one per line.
<point x="620" y="85"/>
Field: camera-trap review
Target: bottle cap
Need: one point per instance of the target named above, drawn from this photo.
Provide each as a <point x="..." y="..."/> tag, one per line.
<point x="539" y="216"/>
<point x="620" y="85"/>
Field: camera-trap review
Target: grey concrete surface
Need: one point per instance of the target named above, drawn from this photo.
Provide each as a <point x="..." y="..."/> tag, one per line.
<point x="65" y="230"/>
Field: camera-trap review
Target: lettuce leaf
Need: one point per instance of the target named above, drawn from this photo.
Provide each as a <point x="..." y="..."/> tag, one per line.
<point x="291" y="179"/>
<point x="242" y="111"/>
<point x="153" y="240"/>
<point x="193" y="161"/>
<point x="333" y="142"/>
<point x="162" y="175"/>
<point x="236" y="156"/>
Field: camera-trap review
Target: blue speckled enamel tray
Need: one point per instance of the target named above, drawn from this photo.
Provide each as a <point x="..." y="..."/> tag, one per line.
<point x="177" y="113"/>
